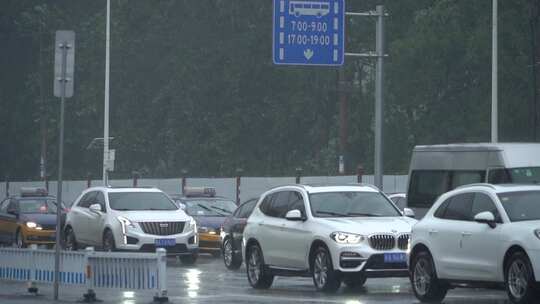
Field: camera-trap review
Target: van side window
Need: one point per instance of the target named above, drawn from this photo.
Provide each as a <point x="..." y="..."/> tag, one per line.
<point x="460" y="178"/>
<point x="426" y="186"/>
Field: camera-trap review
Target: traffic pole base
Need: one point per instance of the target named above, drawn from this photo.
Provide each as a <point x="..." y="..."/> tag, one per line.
<point x="161" y="299"/>
<point x="90" y="297"/>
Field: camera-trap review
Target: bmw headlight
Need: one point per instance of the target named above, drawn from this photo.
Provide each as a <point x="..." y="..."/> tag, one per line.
<point x="537" y="233"/>
<point x="33" y="225"/>
<point x="346" y="238"/>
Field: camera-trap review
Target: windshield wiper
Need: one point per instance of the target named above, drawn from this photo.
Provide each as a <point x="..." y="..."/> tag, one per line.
<point x="331" y="213"/>
<point x="362" y="214"/>
<point x="204" y="207"/>
<point x="221" y="209"/>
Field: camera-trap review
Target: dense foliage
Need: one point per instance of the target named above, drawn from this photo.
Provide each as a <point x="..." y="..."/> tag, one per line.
<point x="193" y="86"/>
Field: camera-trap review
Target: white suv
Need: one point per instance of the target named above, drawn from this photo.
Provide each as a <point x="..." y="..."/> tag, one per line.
<point x="481" y="235"/>
<point x="139" y="219"/>
<point x="331" y="233"/>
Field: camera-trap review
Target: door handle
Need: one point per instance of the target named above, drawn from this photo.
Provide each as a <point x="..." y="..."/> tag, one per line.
<point x="465" y="233"/>
<point x="433" y="231"/>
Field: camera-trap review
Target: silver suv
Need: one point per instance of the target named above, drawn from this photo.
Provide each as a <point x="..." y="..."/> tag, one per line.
<point x="134" y="219"/>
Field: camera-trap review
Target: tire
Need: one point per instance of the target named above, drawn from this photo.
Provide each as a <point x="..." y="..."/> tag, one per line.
<point x="355" y="281"/>
<point x="325" y="278"/>
<point x="231" y="260"/>
<point x="258" y="275"/>
<point x="189" y="259"/>
<point x="70" y="242"/>
<point x="519" y="279"/>
<point x="425" y="284"/>
<point x="108" y="241"/>
<point x="18" y="241"/>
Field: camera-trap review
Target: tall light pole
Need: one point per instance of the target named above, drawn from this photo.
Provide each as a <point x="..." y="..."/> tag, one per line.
<point x="106" y="109"/>
<point x="494" y="79"/>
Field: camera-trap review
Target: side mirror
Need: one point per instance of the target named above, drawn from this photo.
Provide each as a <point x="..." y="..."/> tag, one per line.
<point x="294" y="215"/>
<point x="182" y="206"/>
<point x="95" y="208"/>
<point x="408" y="213"/>
<point x="486" y="217"/>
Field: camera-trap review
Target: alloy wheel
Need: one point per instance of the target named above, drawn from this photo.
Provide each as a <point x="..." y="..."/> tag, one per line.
<point x="254" y="266"/>
<point x="421" y="277"/>
<point x="517" y="279"/>
<point x="227" y="252"/>
<point x="320" y="269"/>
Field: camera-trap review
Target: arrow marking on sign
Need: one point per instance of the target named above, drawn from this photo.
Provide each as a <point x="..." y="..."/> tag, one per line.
<point x="308" y="54"/>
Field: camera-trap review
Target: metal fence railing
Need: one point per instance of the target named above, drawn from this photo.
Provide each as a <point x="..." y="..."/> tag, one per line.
<point x="133" y="271"/>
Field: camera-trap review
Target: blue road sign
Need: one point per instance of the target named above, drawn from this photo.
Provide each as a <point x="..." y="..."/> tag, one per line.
<point x="309" y="32"/>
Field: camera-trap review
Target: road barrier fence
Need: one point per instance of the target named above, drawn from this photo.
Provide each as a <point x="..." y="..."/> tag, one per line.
<point x="133" y="271"/>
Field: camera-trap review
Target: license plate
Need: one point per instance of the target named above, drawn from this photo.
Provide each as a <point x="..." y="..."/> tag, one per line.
<point x="395" y="258"/>
<point x="165" y="242"/>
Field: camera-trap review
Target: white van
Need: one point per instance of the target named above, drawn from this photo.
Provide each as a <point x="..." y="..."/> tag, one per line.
<point x="437" y="169"/>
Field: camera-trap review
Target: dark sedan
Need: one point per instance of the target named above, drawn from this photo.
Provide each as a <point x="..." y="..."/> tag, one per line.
<point x="231" y="235"/>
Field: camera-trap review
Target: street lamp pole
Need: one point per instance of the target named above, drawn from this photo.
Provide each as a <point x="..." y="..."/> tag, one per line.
<point x="106" y="109"/>
<point x="494" y="79"/>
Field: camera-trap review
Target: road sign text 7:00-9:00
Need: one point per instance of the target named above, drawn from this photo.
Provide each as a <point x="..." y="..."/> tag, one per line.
<point x="311" y="39"/>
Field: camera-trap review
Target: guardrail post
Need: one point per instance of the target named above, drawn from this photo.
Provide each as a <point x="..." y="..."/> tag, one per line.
<point x="32" y="287"/>
<point x="7" y="186"/>
<point x="359" y="173"/>
<point x="184" y="177"/>
<point x="238" y="181"/>
<point x="161" y="294"/>
<point x="135" y="179"/>
<point x="88" y="180"/>
<point x="90" y="295"/>
<point x="298" y="174"/>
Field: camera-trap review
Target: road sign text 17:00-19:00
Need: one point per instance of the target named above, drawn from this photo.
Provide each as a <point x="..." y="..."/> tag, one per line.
<point x="309" y="32"/>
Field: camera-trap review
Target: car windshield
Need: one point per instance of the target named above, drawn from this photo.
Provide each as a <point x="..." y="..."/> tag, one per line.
<point x="37" y="206"/>
<point x="524" y="175"/>
<point x="140" y="201"/>
<point x="521" y="206"/>
<point x="351" y="204"/>
<point x="210" y="207"/>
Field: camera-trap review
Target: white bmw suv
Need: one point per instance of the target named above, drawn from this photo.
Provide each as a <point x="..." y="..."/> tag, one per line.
<point x="331" y="233"/>
<point x="135" y="219"/>
<point x="479" y="235"/>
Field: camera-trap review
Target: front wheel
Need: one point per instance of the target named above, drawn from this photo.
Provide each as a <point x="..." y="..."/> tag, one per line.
<point x="189" y="259"/>
<point x="231" y="260"/>
<point x="108" y="241"/>
<point x="70" y="242"/>
<point x="19" y="240"/>
<point x="258" y="276"/>
<point x="520" y="279"/>
<point x="425" y="284"/>
<point x="324" y="276"/>
<point x="354" y="281"/>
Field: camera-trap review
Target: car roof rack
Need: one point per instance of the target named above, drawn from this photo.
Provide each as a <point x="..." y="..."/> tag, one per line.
<point x="477" y="185"/>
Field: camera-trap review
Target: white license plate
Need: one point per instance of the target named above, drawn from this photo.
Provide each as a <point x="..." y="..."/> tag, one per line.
<point x="165" y="242"/>
<point x="397" y="257"/>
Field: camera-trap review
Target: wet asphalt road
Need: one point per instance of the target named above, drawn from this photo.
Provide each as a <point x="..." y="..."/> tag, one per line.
<point x="210" y="282"/>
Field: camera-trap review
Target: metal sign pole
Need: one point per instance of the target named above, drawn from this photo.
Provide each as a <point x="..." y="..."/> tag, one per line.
<point x="379" y="88"/>
<point x="64" y="48"/>
<point x="106" y="106"/>
<point x="64" y="63"/>
<point x="494" y="83"/>
<point x="379" y="99"/>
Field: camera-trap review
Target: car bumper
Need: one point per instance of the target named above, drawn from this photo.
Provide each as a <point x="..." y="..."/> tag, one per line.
<point x="184" y="243"/>
<point x="39" y="237"/>
<point x="209" y="242"/>
<point x="349" y="259"/>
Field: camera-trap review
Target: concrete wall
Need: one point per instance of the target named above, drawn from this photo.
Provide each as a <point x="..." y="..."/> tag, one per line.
<point x="250" y="186"/>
